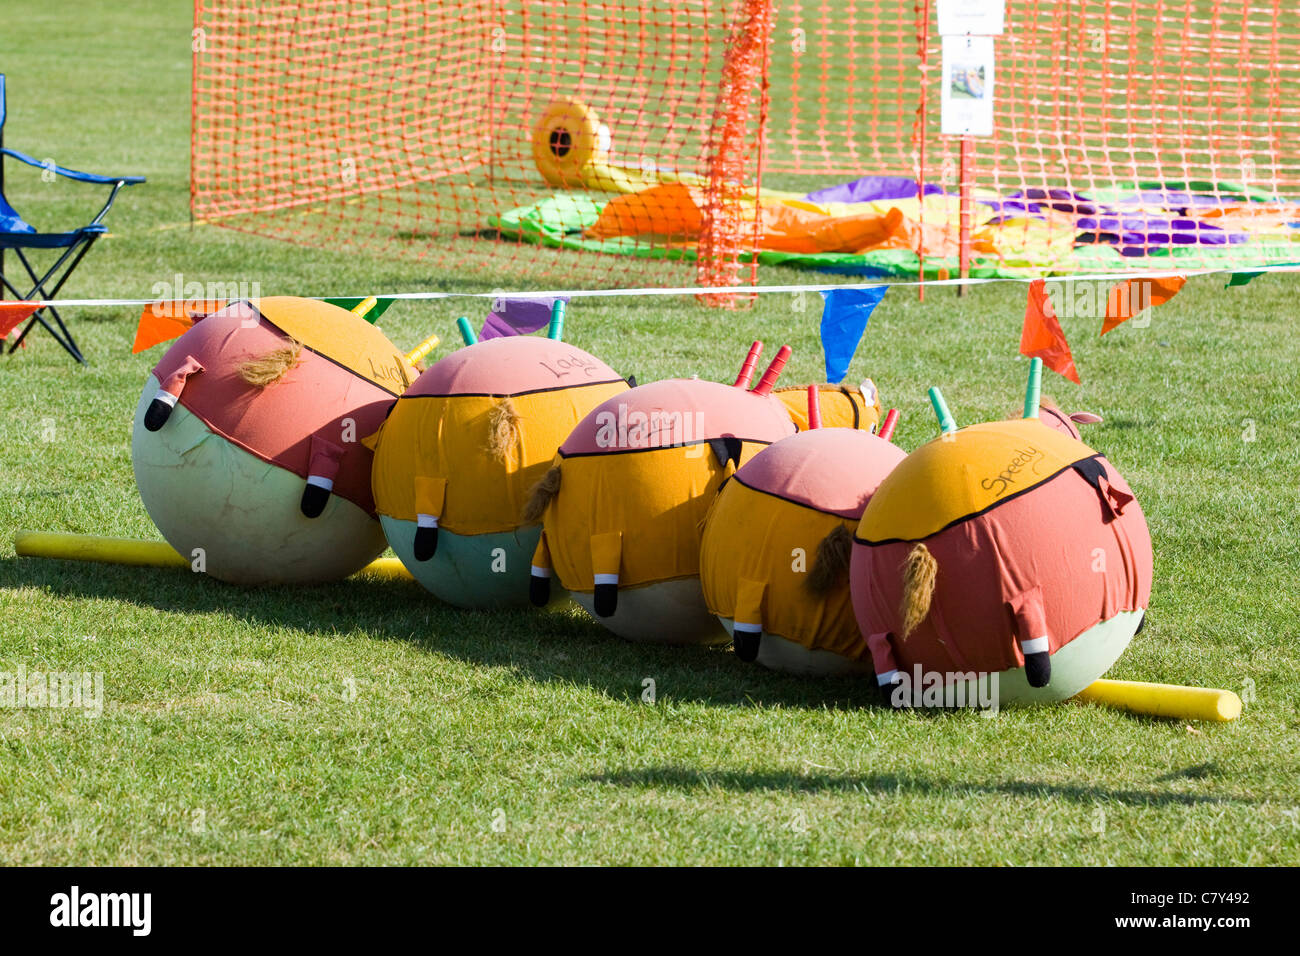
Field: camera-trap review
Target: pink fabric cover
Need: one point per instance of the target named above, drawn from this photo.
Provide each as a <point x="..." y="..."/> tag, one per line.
<point x="829" y="469"/>
<point x="1054" y="561"/>
<point x="1055" y="418"/>
<point x="292" y="423"/>
<point x="725" y="412"/>
<point x="511" y="365"/>
<point x="175" y="381"/>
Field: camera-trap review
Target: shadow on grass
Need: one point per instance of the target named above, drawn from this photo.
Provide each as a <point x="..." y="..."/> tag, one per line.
<point x="559" y="644"/>
<point x="1198" y="772"/>
<point x="686" y="779"/>
<point x="1123" y="423"/>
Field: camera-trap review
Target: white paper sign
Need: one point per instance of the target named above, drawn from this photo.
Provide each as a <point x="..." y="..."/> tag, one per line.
<point x="981" y="18"/>
<point x="967" y="96"/>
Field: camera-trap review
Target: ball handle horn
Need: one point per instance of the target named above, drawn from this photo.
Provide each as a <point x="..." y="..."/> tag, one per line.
<point x="1034" y="391"/>
<point x="814" y="407"/>
<point x="946" y="422"/>
<point x="363" y="307"/>
<point x="466" y="331"/>
<point x="555" y="330"/>
<point x="768" y="381"/>
<point x="751" y="362"/>
<point x="422" y="351"/>
<point x="887" y="426"/>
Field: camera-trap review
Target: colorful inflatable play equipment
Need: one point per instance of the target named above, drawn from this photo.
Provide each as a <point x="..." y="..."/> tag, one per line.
<point x="247" y="442"/>
<point x="841" y="406"/>
<point x="880" y="226"/>
<point x="774" y="556"/>
<point x="1005" y="548"/>
<point x="623" y="504"/>
<point x="460" y="451"/>
<point x="571" y="148"/>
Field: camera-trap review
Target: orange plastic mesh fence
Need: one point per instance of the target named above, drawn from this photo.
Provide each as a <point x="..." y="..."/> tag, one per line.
<point x="658" y="142"/>
<point x="740" y="119"/>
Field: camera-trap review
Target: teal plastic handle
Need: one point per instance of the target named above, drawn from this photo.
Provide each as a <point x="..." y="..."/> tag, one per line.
<point x="1034" y="391"/>
<point x="466" y="331"/>
<point x="556" y="328"/>
<point x="946" y="422"/>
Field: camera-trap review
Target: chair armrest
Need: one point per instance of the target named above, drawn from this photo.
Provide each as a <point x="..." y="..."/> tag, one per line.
<point x="72" y="173"/>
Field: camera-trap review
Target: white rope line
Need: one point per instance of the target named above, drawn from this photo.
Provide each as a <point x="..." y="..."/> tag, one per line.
<point x="716" y="290"/>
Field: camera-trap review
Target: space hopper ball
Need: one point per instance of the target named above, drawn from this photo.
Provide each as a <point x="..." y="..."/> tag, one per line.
<point x="247" y="440"/>
<point x="774" y="556"/>
<point x="1007" y="548"/>
<point x="462" y="448"/>
<point x="839" y="406"/>
<point x="623" y="504"/>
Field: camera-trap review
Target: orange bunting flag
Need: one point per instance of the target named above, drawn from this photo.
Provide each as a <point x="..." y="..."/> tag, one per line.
<point x="1042" y="336"/>
<point x="164" y="321"/>
<point x="13" y="314"/>
<point x="1132" y="296"/>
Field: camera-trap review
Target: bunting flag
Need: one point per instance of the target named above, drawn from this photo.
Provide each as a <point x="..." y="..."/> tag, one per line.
<point x="1132" y="296"/>
<point x="14" y="314"/>
<point x="1241" y="278"/>
<point x="164" y="321"/>
<point x="373" y="313"/>
<point x="1042" y="336"/>
<point x="518" y="316"/>
<point x="844" y="320"/>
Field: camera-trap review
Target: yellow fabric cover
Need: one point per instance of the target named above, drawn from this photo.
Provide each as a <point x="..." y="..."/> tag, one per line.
<point x="965" y="473"/>
<point x="542" y="553"/>
<point x="606" y="552"/>
<point x="342" y="337"/>
<point x="749" y="601"/>
<point x="842" y="406"/>
<point x="655" y="499"/>
<point x="747" y="570"/>
<point x="430" y="496"/>
<point x="439" y="438"/>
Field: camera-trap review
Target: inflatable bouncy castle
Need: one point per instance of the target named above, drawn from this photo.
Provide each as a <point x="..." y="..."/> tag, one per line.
<point x="1006" y="548"/>
<point x="774" y="556"/>
<point x="247" y="440"/>
<point x="455" y="461"/>
<point x="624" y="501"/>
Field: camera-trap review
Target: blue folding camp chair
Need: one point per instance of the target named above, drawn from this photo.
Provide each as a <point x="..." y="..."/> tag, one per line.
<point x="19" y="236"/>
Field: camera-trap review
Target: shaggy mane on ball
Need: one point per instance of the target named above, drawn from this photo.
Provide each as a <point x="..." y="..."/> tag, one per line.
<point x="503" y="429"/>
<point x="831" y="565"/>
<point x="919" y="572"/>
<point x="269" y="368"/>
<point x="540" y="496"/>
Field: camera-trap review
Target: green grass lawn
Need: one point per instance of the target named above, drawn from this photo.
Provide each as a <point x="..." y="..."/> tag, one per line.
<point x="366" y="723"/>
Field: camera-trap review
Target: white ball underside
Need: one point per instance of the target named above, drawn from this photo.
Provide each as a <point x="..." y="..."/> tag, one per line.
<point x="790" y="657"/>
<point x="243" y="514"/>
<point x="669" y="612"/>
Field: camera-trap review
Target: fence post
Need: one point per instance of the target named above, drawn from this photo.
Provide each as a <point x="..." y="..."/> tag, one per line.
<point x="967" y="175"/>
